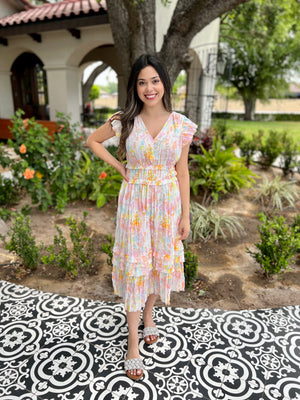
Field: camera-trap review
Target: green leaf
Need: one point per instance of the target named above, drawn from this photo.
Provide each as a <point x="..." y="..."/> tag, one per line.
<point x="101" y="200"/>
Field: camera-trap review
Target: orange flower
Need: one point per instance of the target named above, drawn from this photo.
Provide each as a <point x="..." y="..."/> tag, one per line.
<point x="25" y="122"/>
<point x="22" y="149"/>
<point x="38" y="175"/>
<point x="103" y="175"/>
<point x="60" y="128"/>
<point x="28" y="174"/>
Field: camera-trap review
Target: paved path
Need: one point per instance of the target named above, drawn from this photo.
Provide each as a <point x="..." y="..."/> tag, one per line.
<point x="66" y="348"/>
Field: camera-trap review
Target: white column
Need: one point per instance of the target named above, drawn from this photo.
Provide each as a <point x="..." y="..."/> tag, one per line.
<point x="206" y="101"/>
<point x="192" y="91"/>
<point x="64" y="91"/>
<point x="6" y="97"/>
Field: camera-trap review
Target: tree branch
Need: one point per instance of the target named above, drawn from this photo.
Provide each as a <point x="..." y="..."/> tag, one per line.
<point x="189" y="18"/>
<point x="86" y="87"/>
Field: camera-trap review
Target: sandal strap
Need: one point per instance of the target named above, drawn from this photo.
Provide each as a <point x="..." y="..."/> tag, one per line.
<point x="134" y="363"/>
<point x="150" y="331"/>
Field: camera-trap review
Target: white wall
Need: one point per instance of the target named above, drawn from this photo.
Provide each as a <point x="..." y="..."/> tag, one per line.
<point x="61" y="54"/>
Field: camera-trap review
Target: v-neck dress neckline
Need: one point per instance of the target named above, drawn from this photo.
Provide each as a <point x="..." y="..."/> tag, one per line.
<point x="160" y="132"/>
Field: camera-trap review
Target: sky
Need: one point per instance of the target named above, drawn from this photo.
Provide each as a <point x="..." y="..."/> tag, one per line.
<point x="108" y="74"/>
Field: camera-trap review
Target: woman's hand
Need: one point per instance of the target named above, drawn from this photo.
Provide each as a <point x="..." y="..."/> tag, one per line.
<point x="184" y="228"/>
<point x="122" y="171"/>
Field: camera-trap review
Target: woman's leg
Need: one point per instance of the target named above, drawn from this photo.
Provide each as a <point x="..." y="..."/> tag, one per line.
<point x="147" y="315"/>
<point x="133" y="319"/>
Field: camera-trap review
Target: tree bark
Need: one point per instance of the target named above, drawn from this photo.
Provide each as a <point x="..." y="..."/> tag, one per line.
<point x="249" y="104"/>
<point x="86" y="87"/>
<point x="189" y="18"/>
<point x="133" y="28"/>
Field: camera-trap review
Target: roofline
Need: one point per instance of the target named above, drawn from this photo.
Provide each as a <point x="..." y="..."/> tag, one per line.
<point x="55" y="24"/>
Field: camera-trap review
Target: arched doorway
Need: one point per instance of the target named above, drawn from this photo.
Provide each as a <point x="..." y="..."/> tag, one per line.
<point x="29" y="86"/>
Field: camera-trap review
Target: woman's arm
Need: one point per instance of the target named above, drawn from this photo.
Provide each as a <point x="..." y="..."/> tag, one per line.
<point x="183" y="177"/>
<point x="94" y="142"/>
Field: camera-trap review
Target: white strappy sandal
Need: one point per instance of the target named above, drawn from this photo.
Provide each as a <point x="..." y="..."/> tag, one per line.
<point x="134" y="363"/>
<point x="151" y="331"/>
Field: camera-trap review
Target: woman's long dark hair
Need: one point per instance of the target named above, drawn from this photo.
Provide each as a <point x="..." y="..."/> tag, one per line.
<point x="134" y="105"/>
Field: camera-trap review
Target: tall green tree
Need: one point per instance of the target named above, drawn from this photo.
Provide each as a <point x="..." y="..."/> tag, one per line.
<point x="263" y="40"/>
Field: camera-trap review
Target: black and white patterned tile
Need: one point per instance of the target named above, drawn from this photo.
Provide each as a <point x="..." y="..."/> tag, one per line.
<point x="65" y="348"/>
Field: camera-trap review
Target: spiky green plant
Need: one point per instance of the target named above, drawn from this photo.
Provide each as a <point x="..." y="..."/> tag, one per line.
<point x="207" y="222"/>
<point x="218" y="171"/>
<point x="275" y="194"/>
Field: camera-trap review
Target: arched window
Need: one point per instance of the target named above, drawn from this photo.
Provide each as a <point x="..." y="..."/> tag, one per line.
<point x="29" y="85"/>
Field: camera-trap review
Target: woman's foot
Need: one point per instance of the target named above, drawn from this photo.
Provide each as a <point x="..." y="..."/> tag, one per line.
<point x="134" y="355"/>
<point x="150" y="335"/>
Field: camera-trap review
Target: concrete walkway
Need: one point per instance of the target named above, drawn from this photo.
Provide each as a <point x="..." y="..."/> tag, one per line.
<point x="66" y="348"/>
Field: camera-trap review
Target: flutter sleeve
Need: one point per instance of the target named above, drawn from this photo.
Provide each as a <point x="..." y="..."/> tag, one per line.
<point x="116" y="124"/>
<point x="187" y="131"/>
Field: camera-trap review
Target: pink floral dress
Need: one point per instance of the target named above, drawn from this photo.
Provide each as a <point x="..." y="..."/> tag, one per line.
<point x="148" y="255"/>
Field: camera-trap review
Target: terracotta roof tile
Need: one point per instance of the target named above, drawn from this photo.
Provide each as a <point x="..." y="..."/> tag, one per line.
<point x="53" y="10"/>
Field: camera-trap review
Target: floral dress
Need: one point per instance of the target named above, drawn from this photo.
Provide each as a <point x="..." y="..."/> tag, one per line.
<point x="148" y="255"/>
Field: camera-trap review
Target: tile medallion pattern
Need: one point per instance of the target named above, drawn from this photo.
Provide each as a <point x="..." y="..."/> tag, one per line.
<point x="64" y="348"/>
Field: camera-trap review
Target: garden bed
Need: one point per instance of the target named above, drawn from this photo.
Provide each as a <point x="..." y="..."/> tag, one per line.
<point x="228" y="278"/>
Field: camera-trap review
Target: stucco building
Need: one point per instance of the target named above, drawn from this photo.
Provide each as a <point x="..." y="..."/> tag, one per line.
<point x="45" y="49"/>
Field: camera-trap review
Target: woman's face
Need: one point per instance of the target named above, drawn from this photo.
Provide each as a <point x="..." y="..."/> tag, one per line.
<point x="150" y="88"/>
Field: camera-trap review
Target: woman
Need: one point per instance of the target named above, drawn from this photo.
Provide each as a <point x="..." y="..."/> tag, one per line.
<point x="153" y="205"/>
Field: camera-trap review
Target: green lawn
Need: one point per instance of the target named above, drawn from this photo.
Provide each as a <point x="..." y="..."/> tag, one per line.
<point x="250" y="127"/>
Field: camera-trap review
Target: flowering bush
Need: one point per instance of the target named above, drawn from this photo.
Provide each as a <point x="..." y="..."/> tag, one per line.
<point x="95" y="180"/>
<point x="46" y="165"/>
<point x="53" y="170"/>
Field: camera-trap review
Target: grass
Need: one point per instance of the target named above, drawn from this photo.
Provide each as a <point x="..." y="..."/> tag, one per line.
<point x="250" y="127"/>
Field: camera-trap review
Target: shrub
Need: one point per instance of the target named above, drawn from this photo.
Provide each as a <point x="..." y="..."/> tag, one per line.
<point x="296" y="226"/>
<point x="270" y="149"/>
<point x="278" y="244"/>
<point x="5" y="213"/>
<point x="288" y="156"/>
<point x="207" y="222"/>
<point x="8" y="191"/>
<point x="249" y="146"/>
<point x="82" y="254"/>
<point x="107" y="248"/>
<point x="95" y="180"/>
<point x="296" y="223"/>
<point x="46" y="165"/>
<point x="64" y="160"/>
<point x="202" y="140"/>
<point x="190" y="267"/>
<point x="275" y="194"/>
<point x="22" y="242"/>
<point x="218" y="172"/>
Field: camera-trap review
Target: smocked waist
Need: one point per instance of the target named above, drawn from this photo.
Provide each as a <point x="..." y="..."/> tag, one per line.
<point x="152" y="175"/>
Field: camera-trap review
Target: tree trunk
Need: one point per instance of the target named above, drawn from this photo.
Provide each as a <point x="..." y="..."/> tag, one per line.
<point x="249" y="103"/>
<point x="133" y="28"/>
<point x="86" y="87"/>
